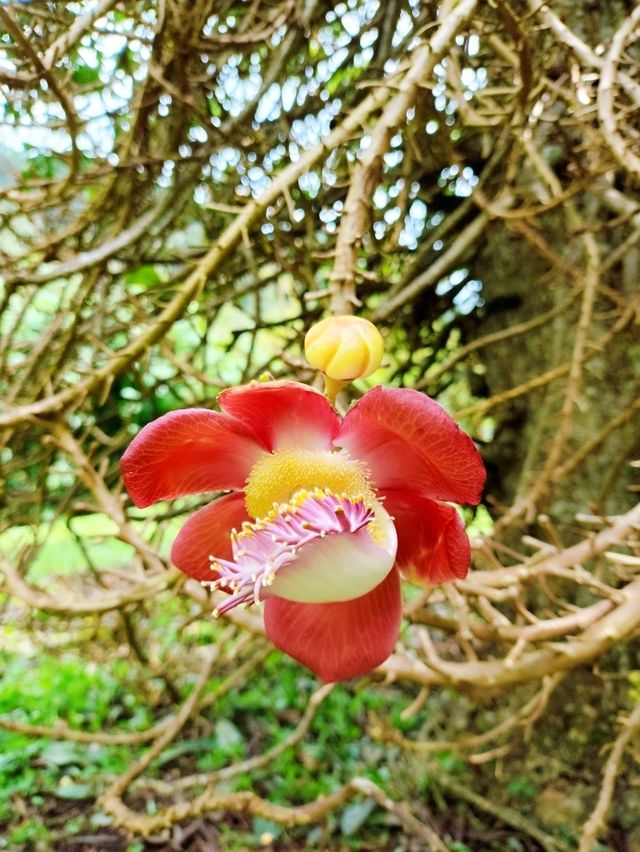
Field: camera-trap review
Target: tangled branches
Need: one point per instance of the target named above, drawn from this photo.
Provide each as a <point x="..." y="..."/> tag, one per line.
<point x="189" y="185"/>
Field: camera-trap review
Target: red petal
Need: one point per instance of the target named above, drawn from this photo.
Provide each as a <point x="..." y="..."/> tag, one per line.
<point x="188" y="452"/>
<point x="283" y="414"/>
<point x="207" y="533"/>
<point x="338" y="641"/>
<point x="433" y="546"/>
<point x="409" y="441"/>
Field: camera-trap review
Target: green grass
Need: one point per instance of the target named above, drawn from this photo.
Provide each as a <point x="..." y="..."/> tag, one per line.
<point x="45" y="688"/>
<point x="59" y="551"/>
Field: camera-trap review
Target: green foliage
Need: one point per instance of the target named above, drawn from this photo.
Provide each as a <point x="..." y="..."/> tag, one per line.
<point x="43" y="691"/>
<point x="523" y="786"/>
<point x="146" y="274"/>
<point x="354" y="816"/>
<point x="85" y="75"/>
<point x="28" y="833"/>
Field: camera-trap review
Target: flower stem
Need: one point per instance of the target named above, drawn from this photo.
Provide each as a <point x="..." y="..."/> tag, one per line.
<point x="332" y="388"/>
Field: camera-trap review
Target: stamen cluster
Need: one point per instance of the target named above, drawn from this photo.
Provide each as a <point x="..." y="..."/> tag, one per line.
<point x="266" y="546"/>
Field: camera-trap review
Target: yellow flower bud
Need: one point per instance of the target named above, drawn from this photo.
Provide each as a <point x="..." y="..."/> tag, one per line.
<point x="344" y="348"/>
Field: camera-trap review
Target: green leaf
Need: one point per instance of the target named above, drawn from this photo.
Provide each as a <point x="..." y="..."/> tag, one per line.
<point x="15" y="760"/>
<point x="227" y="734"/>
<point x="264" y="828"/>
<point x="43" y="166"/>
<point x="85" y="74"/>
<point x="355" y="815"/>
<point x="99" y="819"/>
<point x="62" y="754"/>
<point x="146" y="275"/>
<point x="214" y="106"/>
<point x="73" y="791"/>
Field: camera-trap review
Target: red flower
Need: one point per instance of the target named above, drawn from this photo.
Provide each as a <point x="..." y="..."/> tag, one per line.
<point x="324" y="512"/>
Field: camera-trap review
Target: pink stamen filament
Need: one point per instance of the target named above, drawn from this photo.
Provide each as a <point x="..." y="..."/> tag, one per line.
<point x="261" y="549"/>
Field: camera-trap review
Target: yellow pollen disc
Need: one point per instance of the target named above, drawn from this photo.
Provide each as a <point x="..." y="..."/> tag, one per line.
<point x="278" y="476"/>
